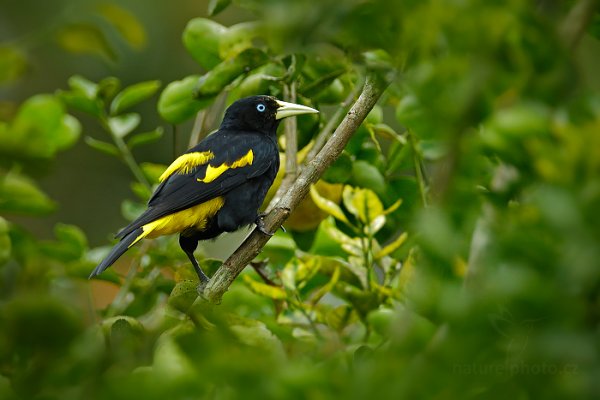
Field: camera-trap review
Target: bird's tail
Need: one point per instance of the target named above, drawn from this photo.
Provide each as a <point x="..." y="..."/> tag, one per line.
<point x="117" y="251"/>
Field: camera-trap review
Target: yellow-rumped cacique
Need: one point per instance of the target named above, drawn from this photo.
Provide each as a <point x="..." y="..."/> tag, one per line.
<point x="216" y="186"/>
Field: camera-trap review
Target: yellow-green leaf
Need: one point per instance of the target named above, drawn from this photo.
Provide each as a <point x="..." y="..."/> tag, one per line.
<point x="153" y="171"/>
<point x="104" y="147"/>
<point x="393" y="207"/>
<point x="19" y="194"/>
<point x="12" y="63"/>
<point x="216" y="6"/>
<point x="201" y="38"/>
<point x="126" y="23"/>
<point x="363" y="203"/>
<point x="5" y="242"/>
<point x="327" y="205"/>
<point x="145" y="137"/>
<point x="133" y="95"/>
<point x="328" y="287"/>
<point x="85" y="39"/>
<point x="238" y="38"/>
<point x="393" y="246"/>
<point x="122" y="125"/>
<point x="272" y="292"/>
<point x="177" y="103"/>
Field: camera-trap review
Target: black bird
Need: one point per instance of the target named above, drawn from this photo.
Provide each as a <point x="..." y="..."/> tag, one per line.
<point x="216" y="186"/>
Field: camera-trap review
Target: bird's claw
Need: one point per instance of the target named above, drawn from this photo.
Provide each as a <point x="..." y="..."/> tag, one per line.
<point x="260" y="225"/>
<point x="201" y="287"/>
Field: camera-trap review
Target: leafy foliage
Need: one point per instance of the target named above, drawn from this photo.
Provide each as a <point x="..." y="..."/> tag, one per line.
<point x="450" y="252"/>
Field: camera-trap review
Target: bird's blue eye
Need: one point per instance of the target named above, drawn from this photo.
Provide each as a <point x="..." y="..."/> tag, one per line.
<point x="261" y="107"/>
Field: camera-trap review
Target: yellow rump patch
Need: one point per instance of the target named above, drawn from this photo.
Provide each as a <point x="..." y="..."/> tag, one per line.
<point x="213" y="173"/>
<point x="193" y="217"/>
<point x="186" y="162"/>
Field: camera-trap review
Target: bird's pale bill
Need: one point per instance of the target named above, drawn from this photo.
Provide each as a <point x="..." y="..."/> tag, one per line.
<point x="290" y="109"/>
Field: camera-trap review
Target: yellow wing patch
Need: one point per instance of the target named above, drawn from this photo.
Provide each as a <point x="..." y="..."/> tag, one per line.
<point x="193" y="217"/>
<point x="186" y="162"/>
<point x="213" y="173"/>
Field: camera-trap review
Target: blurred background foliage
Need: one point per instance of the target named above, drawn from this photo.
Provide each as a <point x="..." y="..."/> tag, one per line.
<point x="450" y="252"/>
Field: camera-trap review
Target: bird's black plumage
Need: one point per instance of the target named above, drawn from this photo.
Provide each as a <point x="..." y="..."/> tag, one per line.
<point x="218" y="185"/>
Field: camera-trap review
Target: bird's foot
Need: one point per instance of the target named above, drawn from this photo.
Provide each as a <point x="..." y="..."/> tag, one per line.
<point x="201" y="287"/>
<point x="260" y="224"/>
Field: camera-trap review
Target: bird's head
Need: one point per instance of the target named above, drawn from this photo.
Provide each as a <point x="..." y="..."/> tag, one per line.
<point x="261" y="113"/>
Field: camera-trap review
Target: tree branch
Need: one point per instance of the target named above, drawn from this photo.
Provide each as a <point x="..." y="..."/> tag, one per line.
<point x="225" y="275"/>
<point x="328" y="128"/>
<point x="577" y="21"/>
<point x="291" y="139"/>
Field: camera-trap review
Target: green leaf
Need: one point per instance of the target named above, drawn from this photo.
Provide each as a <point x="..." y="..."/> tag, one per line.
<point x="213" y="82"/>
<point x="70" y="245"/>
<point x="340" y="171"/>
<point x="170" y="362"/>
<point x="238" y="38"/>
<point x="393" y="207"/>
<point x="327" y="205"/>
<point x="20" y="195"/>
<point x="381" y="320"/>
<point x="367" y="175"/>
<point x="216" y="6"/>
<point x="84" y="86"/>
<point x="132" y="209"/>
<point x="5" y="242"/>
<point x="387" y="132"/>
<point x="67" y="132"/>
<point x="256" y="334"/>
<point x="201" y="38"/>
<point x="83" y="38"/>
<point x="177" y="103"/>
<point x="375" y="226"/>
<point x="80" y="102"/>
<point x="141" y="191"/>
<point x="393" y="246"/>
<point x="152" y="171"/>
<point x="126" y="24"/>
<point x="104" y="147"/>
<point x="122" y="323"/>
<point x="272" y="292"/>
<point x="183" y="295"/>
<point x="122" y="125"/>
<point x="328" y="287"/>
<point x="432" y="150"/>
<point x="12" y="63"/>
<point x="288" y="275"/>
<point x="145" y="138"/>
<point x="362" y="203"/>
<point x="40" y="129"/>
<point x="133" y="95"/>
<point x="108" y="88"/>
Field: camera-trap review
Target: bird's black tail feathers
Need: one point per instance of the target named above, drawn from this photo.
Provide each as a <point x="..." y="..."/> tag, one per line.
<point x="116" y="252"/>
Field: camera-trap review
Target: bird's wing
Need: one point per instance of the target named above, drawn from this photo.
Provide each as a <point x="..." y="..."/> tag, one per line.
<point x="207" y="171"/>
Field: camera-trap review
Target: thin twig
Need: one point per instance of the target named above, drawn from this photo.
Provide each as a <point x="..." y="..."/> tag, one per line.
<point x="225" y="275"/>
<point x="312" y="323"/>
<point x="118" y="304"/>
<point x="291" y="140"/>
<point x="291" y="149"/>
<point x="198" y="128"/>
<point x="323" y="135"/>
<point x="126" y="154"/>
<point x="576" y="22"/>
<point x="258" y="268"/>
<point x="418" y="168"/>
<point x="206" y="119"/>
